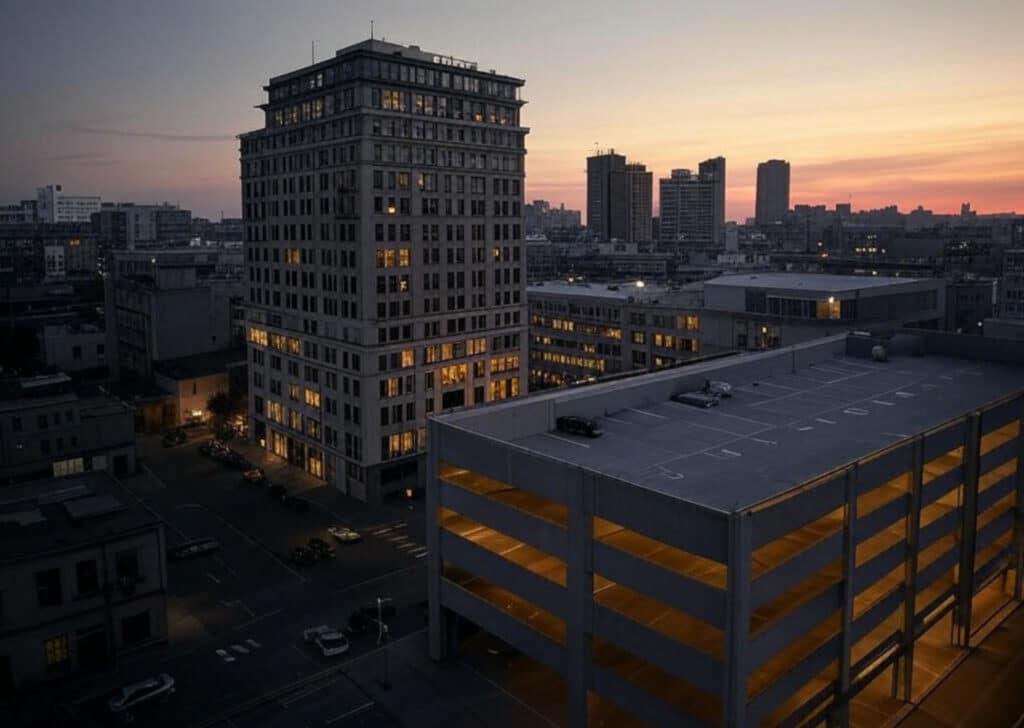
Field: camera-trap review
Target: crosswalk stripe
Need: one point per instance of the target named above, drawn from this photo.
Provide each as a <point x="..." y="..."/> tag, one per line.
<point x="225" y="656"/>
<point x="240" y="650"/>
<point x="253" y="643"/>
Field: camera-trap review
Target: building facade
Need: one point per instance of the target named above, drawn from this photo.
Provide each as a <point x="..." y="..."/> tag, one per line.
<point x="772" y="201"/>
<point x="692" y="206"/>
<point x="811" y="548"/>
<point x="49" y="428"/>
<point x="639" y="187"/>
<point x="172" y="303"/>
<point x="542" y="218"/>
<point x="83" y="577"/>
<point x="55" y="205"/>
<point x="384" y="258"/>
<point x="129" y="226"/>
<point x="767" y="310"/>
<point x="587" y="331"/>
<point x="607" y="196"/>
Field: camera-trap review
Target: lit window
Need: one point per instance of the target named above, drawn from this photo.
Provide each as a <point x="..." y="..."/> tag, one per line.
<point x="58" y="654"/>
<point x="292" y="256"/>
<point x="312" y="398"/>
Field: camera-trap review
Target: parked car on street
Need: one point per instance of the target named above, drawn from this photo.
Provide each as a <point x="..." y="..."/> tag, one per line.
<point x="344" y="534"/>
<point x="323" y="550"/>
<point x="330" y="640"/>
<point x="213" y="448"/>
<point x="302" y="556"/>
<point x="255" y="476"/>
<point x="174" y="438"/>
<point x="130" y="696"/>
<point x="277" y="492"/>
<point x="197" y="547"/>
<point x="296" y="504"/>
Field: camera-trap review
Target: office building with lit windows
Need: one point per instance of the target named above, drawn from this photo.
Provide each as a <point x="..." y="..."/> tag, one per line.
<point x="582" y="331"/>
<point x="816" y="548"/>
<point x="768" y="310"/>
<point x="382" y="205"/>
<point x="692" y="206"/>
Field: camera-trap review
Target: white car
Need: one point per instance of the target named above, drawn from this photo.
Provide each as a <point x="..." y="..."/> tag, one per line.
<point x="330" y="640"/>
<point x="130" y="696"/>
<point x="344" y="534"/>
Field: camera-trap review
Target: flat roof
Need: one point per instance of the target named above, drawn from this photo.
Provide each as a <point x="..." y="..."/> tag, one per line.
<point x="63" y="514"/>
<point x="621" y="291"/>
<point x="781" y="428"/>
<point x="809" y="281"/>
<point x="200" y="365"/>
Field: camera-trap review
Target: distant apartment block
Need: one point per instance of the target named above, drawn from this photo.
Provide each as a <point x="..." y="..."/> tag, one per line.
<point x="131" y="226"/>
<point x="814" y="549"/>
<point x="382" y="201"/>
<point x="83" y="578"/>
<point x="32" y="252"/>
<point x="772" y="202"/>
<point x="74" y="347"/>
<point x="172" y="303"/>
<point x="580" y="332"/>
<point x="542" y="218"/>
<point x="53" y="204"/>
<point x="768" y="310"/>
<point x="639" y="188"/>
<point x="692" y="206"/>
<point x="49" y="427"/>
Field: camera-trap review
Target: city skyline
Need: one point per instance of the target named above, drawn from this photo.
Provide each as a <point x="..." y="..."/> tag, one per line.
<point x="817" y="90"/>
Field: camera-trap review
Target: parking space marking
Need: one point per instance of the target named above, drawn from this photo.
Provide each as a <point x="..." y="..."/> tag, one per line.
<point x="883" y="403"/>
<point x="805" y="428"/>
<point x="905" y="395"/>
<point x="556" y="437"/>
<point x="764" y="442"/>
<point x="823" y="421"/>
<point x="645" y="412"/>
<point x="732" y="453"/>
<point x="407" y="545"/>
<point x="393" y="539"/>
<point x="615" y="419"/>
<point x="900" y="435"/>
<point x="350" y="713"/>
<point x="253" y="643"/>
<point x="420" y="556"/>
<point x="856" y="411"/>
<point x="223" y="654"/>
<point x="240" y="650"/>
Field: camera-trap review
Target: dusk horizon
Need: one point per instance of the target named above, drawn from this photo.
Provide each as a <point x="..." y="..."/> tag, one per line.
<point x="942" y="132"/>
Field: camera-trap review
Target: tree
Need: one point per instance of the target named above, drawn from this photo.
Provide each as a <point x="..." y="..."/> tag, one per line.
<point x="221" y="409"/>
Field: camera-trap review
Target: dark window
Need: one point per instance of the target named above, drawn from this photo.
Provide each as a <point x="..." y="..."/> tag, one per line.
<point x="88" y="577"/>
<point x="48" y="587"/>
<point x="135" y="628"/>
<point x="127" y="563"/>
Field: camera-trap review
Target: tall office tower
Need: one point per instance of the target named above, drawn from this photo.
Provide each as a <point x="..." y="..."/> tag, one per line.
<point x="382" y="206"/>
<point x="607" y="196"/>
<point x="712" y="172"/>
<point x="639" y="191"/>
<point x="772" y="191"/>
<point x="689" y="209"/>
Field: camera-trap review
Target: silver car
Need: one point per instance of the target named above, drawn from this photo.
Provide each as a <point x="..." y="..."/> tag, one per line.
<point x="130" y="696"/>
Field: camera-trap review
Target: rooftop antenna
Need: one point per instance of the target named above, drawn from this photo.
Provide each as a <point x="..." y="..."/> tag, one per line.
<point x="371" y="30"/>
<point x="312" y="51"/>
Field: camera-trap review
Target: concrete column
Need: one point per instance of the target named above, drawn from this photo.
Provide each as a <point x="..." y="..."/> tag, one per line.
<point x="965" y="584"/>
<point x="840" y="715"/>
<point x="1017" y="558"/>
<point x="580" y="597"/>
<point x="737" y="625"/>
<point x="903" y="669"/>
<point x="438" y="640"/>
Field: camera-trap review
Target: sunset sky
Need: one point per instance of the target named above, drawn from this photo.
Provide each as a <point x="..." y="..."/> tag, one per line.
<point x="906" y="102"/>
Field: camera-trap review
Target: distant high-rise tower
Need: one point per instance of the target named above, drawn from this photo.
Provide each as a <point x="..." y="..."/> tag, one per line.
<point x="382" y="204"/>
<point x="640" y="192"/>
<point x="607" y="196"/>
<point x="692" y="206"/>
<point x="772" y="191"/>
<point x="712" y="172"/>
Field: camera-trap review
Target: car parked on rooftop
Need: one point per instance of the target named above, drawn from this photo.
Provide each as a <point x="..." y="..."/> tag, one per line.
<point x="572" y="425"/>
<point x="135" y="694"/>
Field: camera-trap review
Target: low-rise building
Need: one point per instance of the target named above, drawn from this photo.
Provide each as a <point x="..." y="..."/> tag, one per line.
<point x="582" y="331"/>
<point x="822" y="543"/>
<point x="768" y="310"/>
<point x="48" y="427"/>
<point x="77" y="347"/>
<point x="82" y="576"/>
<point x="169" y="304"/>
<point x="194" y="380"/>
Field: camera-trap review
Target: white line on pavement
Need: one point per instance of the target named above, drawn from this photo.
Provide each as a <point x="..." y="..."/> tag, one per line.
<point x="349" y="713"/>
